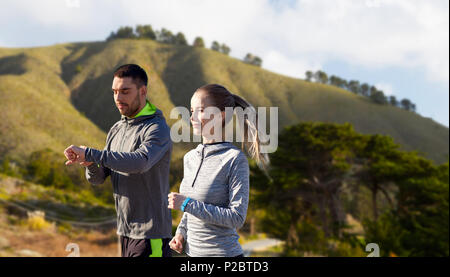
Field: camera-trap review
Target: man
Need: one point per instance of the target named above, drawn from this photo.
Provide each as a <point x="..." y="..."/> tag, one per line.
<point x="137" y="156"/>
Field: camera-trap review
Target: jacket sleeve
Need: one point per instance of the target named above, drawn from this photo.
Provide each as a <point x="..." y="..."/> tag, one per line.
<point x="97" y="174"/>
<point x="153" y="147"/>
<point x="234" y="215"/>
<point x="182" y="227"/>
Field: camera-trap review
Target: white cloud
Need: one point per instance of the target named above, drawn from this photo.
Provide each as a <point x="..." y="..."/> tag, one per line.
<point x="391" y="33"/>
<point x="386" y="88"/>
<point x="279" y="63"/>
<point x="289" y="37"/>
<point x="47" y="13"/>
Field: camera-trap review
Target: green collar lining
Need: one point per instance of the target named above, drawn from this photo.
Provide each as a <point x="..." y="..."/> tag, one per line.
<point x="148" y="109"/>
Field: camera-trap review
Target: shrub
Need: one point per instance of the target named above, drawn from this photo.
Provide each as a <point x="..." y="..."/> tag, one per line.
<point x="36" y="221"/>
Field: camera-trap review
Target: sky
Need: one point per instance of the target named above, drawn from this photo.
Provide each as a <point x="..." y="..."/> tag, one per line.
<point x="400" y="46"/>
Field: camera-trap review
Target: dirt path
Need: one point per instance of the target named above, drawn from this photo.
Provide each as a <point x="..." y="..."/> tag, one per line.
<point x="259" y="245"/>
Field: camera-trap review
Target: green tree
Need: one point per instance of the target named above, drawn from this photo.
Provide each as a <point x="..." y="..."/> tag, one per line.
<point x="145" y="31"/>
<point x="379" y="165"/>
<point x="393" y="101"/>
<point x="341" y="83"/>
<point x="8" y="168"/>
<point x="365" y="89"/>
<point x="198" y="42"/>
<point x="215" y="46"/>
<point x="354" y="86"/>
<point x="225" y="49"/>
<point x="377" y="96"/>
<point x="423" y="211"/>
<point x="406" y="104"/>
<point x="257" y="61"/>
<point x="111" y="36"/>
<point x="248" y="58"/>
<point x="165" y="36"/>
<point x="345" y="84"/>
<point x="301" y="199"/>
<point x="309" y="76"/>
<point x="253" y="60"/>
<point x="125" y="32"/>
<point x="335" y="81"/>
<point x="306" y="173"/>
<point x="419" y="223"/>
<point x="180" y="39"/>
<point x="321" y="77"/>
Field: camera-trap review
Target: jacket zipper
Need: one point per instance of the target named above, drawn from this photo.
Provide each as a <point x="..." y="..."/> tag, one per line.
<point x="198" y="170"/>
<point x="124" y="134"/>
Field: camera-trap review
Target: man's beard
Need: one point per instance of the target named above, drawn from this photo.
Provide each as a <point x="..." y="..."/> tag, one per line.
<point x="133" y="108"/>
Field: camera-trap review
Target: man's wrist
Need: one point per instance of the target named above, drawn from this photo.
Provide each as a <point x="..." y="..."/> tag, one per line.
<point x="91" y="165"/>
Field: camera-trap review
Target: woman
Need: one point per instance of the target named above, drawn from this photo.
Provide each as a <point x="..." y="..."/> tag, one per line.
<point x="214" y="192"/>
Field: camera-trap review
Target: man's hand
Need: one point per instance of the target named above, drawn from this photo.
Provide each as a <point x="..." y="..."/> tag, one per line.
<point x="75" y="154"/>
<point x="175" y="200"/>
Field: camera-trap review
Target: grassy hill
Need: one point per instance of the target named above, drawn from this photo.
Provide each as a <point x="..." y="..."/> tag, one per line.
<point x="36" y="107"/>
<point x="57" y="95"/>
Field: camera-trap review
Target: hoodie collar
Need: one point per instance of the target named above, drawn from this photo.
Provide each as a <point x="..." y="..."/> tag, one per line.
<point x="148" y="109"/>
<point x="213" y="148"/>
<point x="144" y="116"/>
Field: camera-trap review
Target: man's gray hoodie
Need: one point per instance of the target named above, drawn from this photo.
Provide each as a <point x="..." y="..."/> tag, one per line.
<point x="216" y="177"/>
<point x="137" y="156"/>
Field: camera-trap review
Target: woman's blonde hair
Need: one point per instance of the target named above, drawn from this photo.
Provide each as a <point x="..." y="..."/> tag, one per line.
<point x="221" y="98"/>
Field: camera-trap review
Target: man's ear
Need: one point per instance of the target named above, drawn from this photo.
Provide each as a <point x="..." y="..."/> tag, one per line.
<point x="143" y="91"/>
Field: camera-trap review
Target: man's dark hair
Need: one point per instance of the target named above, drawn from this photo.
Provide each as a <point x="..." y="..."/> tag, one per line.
<point x="135" y="72"/>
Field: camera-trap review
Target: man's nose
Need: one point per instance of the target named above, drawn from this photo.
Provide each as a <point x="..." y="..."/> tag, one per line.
<point x="119" y="97"/>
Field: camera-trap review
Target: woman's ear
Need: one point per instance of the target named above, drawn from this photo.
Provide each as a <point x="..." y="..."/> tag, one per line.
<point x="223" y="118"/>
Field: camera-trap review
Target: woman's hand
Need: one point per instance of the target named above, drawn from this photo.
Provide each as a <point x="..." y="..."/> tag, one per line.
<point x="175" y="200"/>
<point x="176" y="243"/>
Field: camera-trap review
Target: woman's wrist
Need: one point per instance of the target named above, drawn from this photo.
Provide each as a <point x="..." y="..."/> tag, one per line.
<point x="185" y="202"/>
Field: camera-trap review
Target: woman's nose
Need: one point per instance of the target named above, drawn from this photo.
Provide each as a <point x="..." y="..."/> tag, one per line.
<point x="194" y="117"/>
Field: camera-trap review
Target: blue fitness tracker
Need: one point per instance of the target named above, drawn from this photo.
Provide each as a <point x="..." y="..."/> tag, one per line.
<point x="185" y="203"/>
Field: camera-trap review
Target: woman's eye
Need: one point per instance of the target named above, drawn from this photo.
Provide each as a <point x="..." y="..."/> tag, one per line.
<point x="198" y="111"/>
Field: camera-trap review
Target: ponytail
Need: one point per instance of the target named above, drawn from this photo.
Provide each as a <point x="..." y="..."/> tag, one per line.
<point x="251" y="137"/>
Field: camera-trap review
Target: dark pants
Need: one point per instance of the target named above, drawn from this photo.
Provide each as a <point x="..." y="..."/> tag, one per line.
<point x="238" y="256"/>
<point x="145" y="247"/>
